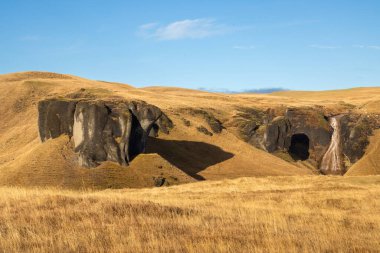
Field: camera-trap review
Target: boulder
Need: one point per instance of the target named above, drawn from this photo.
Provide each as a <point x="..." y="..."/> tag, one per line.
<point x="204" y="130"/>
<point x="101" y="130"/>
<point x="159" y="181"/>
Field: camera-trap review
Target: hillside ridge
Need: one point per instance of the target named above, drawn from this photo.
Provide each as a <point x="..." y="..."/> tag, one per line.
<point x="195" y="146"/>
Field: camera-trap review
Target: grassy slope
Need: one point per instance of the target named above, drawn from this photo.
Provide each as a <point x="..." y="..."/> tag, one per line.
<point x="24" y="160"/>
<point x="368" y="99"/>
<point x="278" y="214"/>
<point x="53" y="164"/>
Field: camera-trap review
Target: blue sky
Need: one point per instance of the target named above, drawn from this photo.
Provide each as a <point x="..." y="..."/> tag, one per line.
<point x="218" y="44"/>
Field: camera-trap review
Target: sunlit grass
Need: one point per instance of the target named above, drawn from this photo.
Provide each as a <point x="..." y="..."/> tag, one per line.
<point x="285" y="214"/>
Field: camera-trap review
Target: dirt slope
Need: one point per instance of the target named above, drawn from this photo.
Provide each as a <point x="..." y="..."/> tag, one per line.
<point x="185" y="154"/>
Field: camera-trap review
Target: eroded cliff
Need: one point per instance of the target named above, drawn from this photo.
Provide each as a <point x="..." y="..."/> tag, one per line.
<point x="306" y="133"/>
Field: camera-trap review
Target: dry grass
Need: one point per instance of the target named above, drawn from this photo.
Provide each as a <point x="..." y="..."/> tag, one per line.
<point x="274" y="214"/>
<point x="283" y="214"/>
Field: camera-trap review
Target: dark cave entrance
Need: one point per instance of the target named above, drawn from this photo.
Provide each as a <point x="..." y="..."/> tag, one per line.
<point x="299" y="147"/>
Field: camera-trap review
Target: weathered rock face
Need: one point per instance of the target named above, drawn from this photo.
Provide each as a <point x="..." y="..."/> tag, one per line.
<point x="163" y="124"/>
<point x="355" y="130"/>
<point x="285" y="131"/>
<point x="305" y="133"/>
<point x="56" y="117"/>
<point x="114" y="130"/>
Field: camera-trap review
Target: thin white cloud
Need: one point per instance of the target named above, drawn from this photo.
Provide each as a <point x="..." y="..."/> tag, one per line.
<point x="184" y="29"/>
<point x="148" y="26"/>
<point x="324" y="46"/>
<point x="375" y="47"/>
<point x="240" y="47"/>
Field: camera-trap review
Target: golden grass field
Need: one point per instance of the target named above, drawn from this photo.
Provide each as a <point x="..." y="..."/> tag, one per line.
<point x="274" y="214"/>
<point x="250" y="201"/>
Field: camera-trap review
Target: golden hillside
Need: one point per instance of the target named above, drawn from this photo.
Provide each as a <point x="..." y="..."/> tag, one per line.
<point x="274" y="214"/>
<point x="182" y="156"/>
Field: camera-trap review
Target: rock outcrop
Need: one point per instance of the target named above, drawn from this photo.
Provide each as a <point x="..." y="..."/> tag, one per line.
<point x="304" y="133"/>
<point x="355" y="130"/>
<point x="284" y="131"/>
<point x="287" y="130"/>
<point x="101" y="130"/>
<point x="215" y="125"/>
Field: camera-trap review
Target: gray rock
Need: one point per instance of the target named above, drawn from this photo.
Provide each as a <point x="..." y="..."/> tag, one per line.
<point x="159" y="181"/>
<point x="291" y="129"/>
<point x="355" y="130"/>
<point x="306" y="121"/>
<point x="204" y="130"/>
<point x="56" y="117"/>
<point x="114" y="130"/>
<point x="164" y="124"/>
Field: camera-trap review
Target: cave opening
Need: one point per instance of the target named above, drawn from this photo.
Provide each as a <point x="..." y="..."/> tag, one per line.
<point x="299" y="147"/>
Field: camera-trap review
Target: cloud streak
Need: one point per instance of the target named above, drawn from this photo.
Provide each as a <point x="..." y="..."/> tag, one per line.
<point x="324" y="46"/>
<point x="368" y="47"/>
<point x="184" y="29"/>
<point x="240" y="47"/>
<point x="373" y="47"/>
<point x="259" y="90"/>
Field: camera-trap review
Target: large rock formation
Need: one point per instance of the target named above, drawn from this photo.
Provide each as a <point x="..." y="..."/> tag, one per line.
<point x="305" y="133"/>
<point x="298" y="129"/>
<point x="102" y="130"/>
<point x="355" y="130"/>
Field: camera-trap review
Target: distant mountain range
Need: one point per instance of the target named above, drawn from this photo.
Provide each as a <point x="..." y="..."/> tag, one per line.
<point x="260" y="90"/>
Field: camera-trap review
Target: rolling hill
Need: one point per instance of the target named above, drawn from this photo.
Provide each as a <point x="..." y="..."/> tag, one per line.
<point x="184" y="155"/>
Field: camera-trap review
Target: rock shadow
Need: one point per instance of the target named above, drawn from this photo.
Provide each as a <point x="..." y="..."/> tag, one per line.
<point x="189" y="156"/>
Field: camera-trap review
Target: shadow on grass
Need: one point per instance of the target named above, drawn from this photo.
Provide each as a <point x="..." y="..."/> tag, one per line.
<point x="189" y="156"/>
